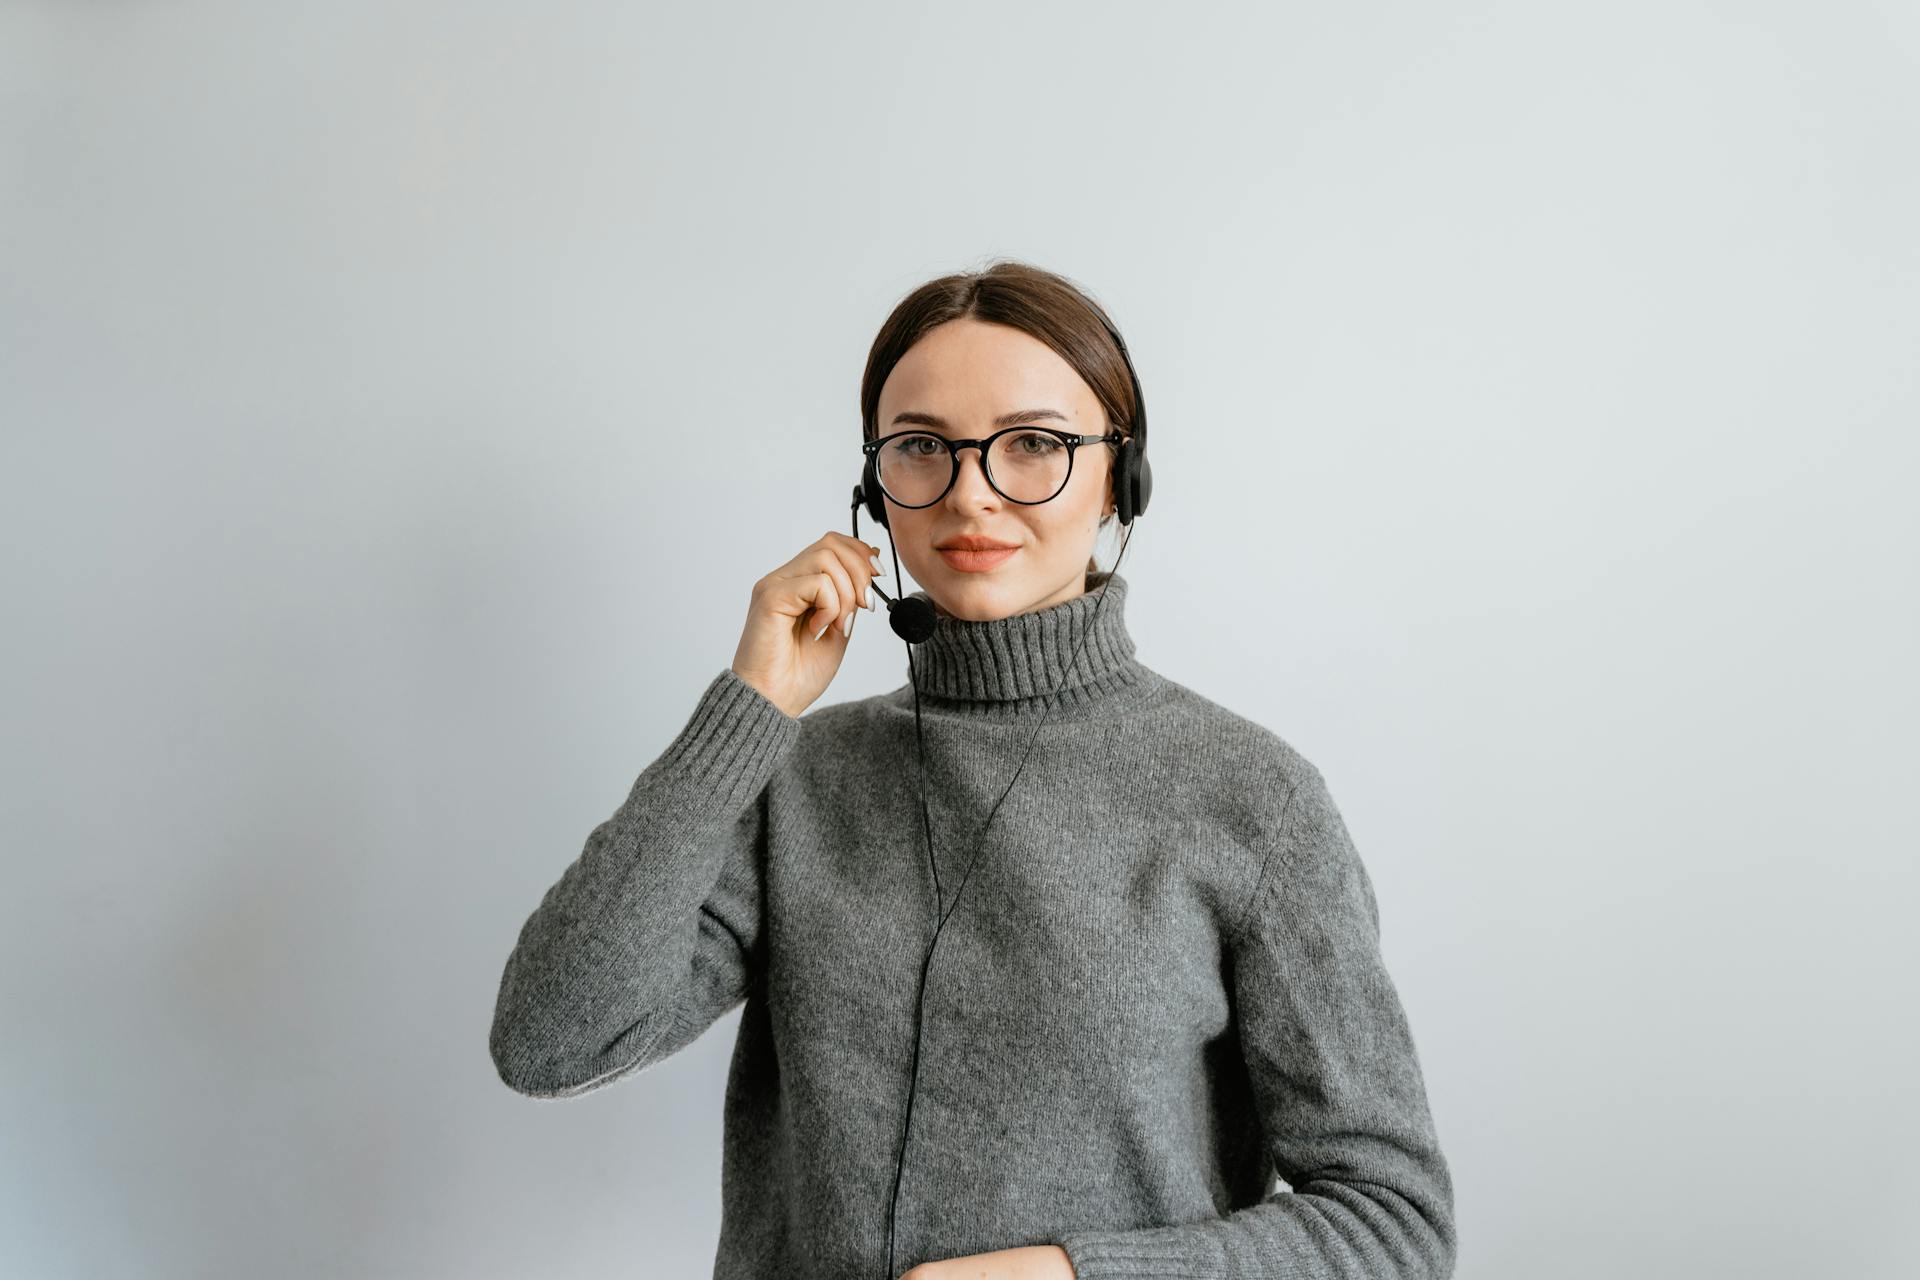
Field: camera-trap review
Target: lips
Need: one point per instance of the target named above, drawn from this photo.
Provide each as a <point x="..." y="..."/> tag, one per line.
<point x="970" y="561"/>
<point x="976" y="542"/>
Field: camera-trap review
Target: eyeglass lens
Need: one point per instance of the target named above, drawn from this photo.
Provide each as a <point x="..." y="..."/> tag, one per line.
<point x="1026" y="466"/>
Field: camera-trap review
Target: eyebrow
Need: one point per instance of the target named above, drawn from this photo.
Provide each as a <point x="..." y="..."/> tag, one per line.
<point x="1004" y="420"/>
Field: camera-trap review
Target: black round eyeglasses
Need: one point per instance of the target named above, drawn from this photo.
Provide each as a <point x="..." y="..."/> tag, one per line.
<point x="1027" y="465"/>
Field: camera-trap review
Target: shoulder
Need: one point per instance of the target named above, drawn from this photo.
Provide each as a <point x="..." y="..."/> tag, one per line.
<point x="1231" y="774"/>
<point x="1248" y="756"/>
<point x="1228" y="777"/>
<point x="1305" y="856"/>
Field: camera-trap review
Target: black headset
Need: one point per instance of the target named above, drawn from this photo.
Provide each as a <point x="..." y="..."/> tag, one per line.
<point x="913" y="620"/>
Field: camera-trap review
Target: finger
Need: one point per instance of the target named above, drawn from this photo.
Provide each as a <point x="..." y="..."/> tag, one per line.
<point x="846" y="591"/>
<point x="817" y="597"/>
<point x="827" y="555"/>
<point x="866" y="550"/>
<point x="852" y="555"/>
<point x="791" y="590"/>
<point x="864" y="554"/>
<point x="872" y="554"/>
<point x="859" y="568"/>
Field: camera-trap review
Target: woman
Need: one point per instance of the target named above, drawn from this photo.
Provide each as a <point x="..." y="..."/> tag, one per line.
<point x="1067" y="1027"/>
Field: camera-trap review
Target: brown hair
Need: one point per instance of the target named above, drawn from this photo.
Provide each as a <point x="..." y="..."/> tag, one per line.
<point x="1038" y="302"/>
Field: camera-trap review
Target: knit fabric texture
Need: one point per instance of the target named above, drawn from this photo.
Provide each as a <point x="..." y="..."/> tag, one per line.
<point x="1159" y="992"/>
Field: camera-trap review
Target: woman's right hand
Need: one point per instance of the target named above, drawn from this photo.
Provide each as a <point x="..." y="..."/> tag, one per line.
<point x="817" y="591"/>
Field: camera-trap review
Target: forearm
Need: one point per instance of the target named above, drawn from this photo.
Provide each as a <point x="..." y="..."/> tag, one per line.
<point x="594" y="976"/>
<point x="1035" y="1262"/>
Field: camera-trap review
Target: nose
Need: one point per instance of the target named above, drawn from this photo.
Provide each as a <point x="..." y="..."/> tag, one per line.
<point x="970" y="487"/>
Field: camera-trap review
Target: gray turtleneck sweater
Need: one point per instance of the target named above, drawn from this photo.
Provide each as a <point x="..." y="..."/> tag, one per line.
<point x="1160" y="984"/>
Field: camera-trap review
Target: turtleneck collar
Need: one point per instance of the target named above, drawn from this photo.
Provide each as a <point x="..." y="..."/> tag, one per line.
<point x="1007" y="666"/>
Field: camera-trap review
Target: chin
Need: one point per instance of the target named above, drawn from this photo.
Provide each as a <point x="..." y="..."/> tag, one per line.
<point x="973" y="598"/>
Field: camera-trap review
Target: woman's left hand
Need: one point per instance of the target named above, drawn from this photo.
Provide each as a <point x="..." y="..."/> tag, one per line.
<point x="1040" y="1262"/>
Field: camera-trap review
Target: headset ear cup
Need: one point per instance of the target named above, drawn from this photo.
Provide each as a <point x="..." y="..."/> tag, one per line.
<point x="1142" y="483"/>
<point x="870" y="489"/>
<point x="1129" y="490"/>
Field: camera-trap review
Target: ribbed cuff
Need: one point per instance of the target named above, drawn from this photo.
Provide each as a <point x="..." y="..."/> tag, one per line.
<point x="733" y="741"/>
<point x="1155" y="1253"/>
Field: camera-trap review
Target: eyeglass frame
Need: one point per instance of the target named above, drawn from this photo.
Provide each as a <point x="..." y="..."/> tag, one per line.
<point x="1073" y="442"/>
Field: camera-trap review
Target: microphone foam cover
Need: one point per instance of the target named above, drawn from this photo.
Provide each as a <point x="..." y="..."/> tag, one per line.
<point x="911" y="618"/>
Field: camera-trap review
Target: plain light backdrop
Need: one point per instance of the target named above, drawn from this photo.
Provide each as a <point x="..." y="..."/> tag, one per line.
<point x="399" y="402"/>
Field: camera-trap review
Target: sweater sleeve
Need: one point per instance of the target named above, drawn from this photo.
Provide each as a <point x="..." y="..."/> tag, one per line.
<point x="654" y="930"/>
<point x="1342" y="1103"/>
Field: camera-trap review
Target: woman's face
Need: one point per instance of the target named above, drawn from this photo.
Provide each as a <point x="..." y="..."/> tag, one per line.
<point x="958" y="381"/>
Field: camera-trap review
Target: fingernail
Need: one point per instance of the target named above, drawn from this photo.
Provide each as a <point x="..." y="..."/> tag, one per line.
<point x="870" y="602"/>
<point x="878" y="570"/>
<point x="846" y="628"/>
<point x="823" y="628"/>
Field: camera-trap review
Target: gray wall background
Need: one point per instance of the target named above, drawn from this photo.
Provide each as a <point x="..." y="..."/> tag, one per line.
<point x="1534" y="397"/>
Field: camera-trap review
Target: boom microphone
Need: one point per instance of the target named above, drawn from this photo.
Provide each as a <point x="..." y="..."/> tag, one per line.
<point x="911" y="617"/>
